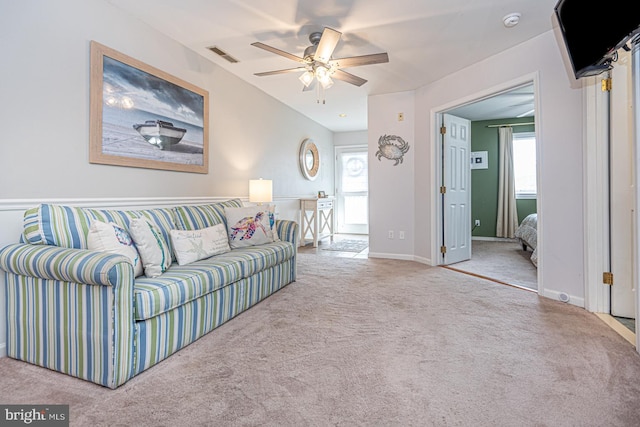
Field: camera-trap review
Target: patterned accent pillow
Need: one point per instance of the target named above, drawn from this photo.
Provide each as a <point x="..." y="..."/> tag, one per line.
<point x="203" y="216"/>
<point x="250" y="226"/>
<point x="114" y="239"/>
<point x="153" y="249"/>
<point x="194" y="245"/>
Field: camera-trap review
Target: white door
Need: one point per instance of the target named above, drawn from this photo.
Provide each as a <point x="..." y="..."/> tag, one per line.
<point x="352" y="190"/>
<point x="622" y="191"/>
<point x="456" y="191"/>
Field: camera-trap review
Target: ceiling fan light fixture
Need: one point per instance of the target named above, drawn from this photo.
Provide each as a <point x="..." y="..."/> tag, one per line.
<point x="322" y="73"/>
<point x="326" y="82"/>
<point x="306" y="78"/>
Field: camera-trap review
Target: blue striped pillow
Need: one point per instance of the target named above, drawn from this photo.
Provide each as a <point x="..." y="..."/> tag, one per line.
<point x="64" y="226"/>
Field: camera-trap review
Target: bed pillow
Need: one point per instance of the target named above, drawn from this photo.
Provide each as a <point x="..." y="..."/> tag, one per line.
<point x="194" y="245"/>
<point x="250" y="225"/>
<point x="153" y="249"/>
<point x="110" y="237"/>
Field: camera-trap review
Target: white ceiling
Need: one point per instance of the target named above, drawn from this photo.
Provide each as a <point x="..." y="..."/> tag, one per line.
<point x="425" y="39"/>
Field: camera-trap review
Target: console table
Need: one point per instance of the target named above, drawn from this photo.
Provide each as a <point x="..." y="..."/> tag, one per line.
<point x="316" y="219"/>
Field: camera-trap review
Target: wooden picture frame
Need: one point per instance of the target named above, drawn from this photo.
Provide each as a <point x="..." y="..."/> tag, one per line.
<point x="143" y="117"/>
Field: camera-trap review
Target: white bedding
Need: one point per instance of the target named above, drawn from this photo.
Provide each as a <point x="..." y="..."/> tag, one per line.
<point x="527" y="232"/>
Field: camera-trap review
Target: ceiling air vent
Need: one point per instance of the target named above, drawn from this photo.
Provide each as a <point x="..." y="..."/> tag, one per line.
<point x="223" y="54"/>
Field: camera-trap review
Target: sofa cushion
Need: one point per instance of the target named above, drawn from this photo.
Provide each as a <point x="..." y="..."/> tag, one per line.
<point x="181" y="284"/>
<point x="114" y="239"/>
<point x="250" y="225"/>
<point x="152" y="246"/>
<point x="194" y="245"/>
<point x="68" y="226"/>
<point x="196" y="217"/>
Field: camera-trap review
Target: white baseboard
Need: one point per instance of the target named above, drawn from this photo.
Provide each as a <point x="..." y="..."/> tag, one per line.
<point x="562" y="297"/>
<point x="403" y="257"/>
<point x="422" y="260"/>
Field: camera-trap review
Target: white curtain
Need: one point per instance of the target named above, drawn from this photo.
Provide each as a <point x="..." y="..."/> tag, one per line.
<point x="507" y="212"/>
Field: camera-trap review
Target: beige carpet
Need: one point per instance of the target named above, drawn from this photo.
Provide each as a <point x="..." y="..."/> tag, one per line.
<point x="372" y="343"/>
<point x="502" y="261"/>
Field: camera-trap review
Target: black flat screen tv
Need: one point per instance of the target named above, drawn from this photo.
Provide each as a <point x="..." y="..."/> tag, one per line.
<point x="593" y="34"/>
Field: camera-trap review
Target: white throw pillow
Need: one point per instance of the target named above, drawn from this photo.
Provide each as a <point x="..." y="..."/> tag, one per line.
<point x="250" y="225"/>
<point x="194" y="245"/>
<point x="110" y="237"/>
<point x="154" y="250"/>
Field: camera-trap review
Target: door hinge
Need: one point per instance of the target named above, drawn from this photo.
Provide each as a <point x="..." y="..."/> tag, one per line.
<point x="443" y="249"/>
<point x="606" y="84"/>
<point x="443" y="129"/>
<point x="607" y="278"/>
<point x="443" y="189"/>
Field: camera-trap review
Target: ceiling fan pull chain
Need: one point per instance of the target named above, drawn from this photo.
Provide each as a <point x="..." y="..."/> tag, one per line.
<point x="320" y="88"/>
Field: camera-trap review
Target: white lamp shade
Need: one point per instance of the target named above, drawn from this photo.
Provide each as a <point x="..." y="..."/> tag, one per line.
<point x="260" y="191"/>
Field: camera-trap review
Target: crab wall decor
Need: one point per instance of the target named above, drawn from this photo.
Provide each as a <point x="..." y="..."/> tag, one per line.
<point x="392" y="147"/>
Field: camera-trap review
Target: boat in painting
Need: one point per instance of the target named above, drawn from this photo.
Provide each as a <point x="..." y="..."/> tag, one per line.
<point x="160" y="133"/>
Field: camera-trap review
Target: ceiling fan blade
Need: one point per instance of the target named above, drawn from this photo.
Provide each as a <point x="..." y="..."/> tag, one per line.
<point x="328" y="43"/>
<point x="288" y="70"/>
<point x="279" y="52"/>
<point x="349" y="78"/>
<point x="354" y="61"/>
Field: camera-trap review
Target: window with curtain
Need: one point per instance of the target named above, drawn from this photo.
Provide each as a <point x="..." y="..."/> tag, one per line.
<point x="524" y="164"/>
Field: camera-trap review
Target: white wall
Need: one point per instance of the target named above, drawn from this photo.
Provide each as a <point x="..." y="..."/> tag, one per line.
<point x="45" y="112"/>
<point x="44" y="115"/>
<point x="559" y="127"/>
<point x="350" y="138"/>
<point x="391" y="186"/>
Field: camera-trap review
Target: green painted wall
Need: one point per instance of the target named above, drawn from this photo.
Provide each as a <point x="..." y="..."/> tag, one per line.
<point x="484" y="182"/>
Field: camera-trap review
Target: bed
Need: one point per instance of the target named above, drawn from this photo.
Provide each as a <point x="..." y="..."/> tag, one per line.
<point x="527" y="234"/>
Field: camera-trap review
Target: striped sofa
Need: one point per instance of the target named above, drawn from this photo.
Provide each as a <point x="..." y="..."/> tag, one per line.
<point x="83" y="313"/>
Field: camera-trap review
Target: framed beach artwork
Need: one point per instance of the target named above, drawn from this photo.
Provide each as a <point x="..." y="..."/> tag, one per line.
<point x="143" y="117"/>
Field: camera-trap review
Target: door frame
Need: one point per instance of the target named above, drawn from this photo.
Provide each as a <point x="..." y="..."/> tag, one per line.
<point x="436" y="118"/>
<point x="596" y="194"/>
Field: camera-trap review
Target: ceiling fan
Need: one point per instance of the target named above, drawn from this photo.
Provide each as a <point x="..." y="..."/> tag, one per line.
<point x="316" y="61"/>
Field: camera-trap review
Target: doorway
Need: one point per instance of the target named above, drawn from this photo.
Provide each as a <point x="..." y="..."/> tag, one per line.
<point x="352" y="190"/>
<point x="513" y="104"/>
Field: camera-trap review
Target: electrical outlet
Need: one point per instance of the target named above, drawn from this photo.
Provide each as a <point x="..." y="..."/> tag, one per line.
<point x="401" y="235"/>
<point x="477" y="223"/>
<point x="391" y="234"/>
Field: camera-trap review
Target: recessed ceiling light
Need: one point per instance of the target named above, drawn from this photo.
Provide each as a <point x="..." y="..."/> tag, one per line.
<point x="511" y="20"/>
<point x="342" y="115"/>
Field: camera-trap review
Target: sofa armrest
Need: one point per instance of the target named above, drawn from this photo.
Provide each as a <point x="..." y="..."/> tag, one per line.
<point x="288" y="231"/>
<point x="64" y="264"/>
<point x="70" y="310"/>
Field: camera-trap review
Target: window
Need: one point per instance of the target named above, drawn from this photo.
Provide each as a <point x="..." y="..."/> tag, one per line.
<point x="524" y="164"/>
